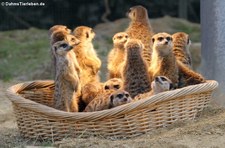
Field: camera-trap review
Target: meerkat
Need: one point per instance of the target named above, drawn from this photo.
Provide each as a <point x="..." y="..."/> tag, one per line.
<point x="86" y="55"/>
<point x="91" y="90"/>
<point x="160" y="84"/>
<point x="72" y="40"/>
<point x="61" y="28"/>
<point x="163" y="61"/>
<point x="113" y="84"/>
<point x="140" y="28"/>
<point x="135" y="72"/>
<point x="116" y="55"/>
<point x="108" y="100"/>
<point x="181" y="45"/>
<point x="67" y="85"/>
<point x="187" y="76"/>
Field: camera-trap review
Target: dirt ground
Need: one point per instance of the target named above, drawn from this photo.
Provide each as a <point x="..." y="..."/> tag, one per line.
<point x="207" y="131"/>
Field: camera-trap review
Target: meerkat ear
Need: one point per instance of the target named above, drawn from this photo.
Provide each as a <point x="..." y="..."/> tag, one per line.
<point x="153" y="40"/>
<point x="54" y="51"/>
<point x="87" y="35"/>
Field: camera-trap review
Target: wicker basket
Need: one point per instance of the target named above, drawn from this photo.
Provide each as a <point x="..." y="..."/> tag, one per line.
<point x="36" y="118"/>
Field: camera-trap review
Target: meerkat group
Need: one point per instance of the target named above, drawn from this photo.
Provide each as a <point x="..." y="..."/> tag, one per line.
<point x="140" y="64"/>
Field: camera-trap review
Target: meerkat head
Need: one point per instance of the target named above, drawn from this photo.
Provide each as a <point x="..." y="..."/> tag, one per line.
<point x="133" y="47"/>
<point x="119" y="97"/>
<point x="61" y="48"/>
<point x="162" y="42"/>
<point x="119" y="39"/>
<point x="61" y="35"/>
<point x="112" y="84"/>
<point x="138" y="13"/>
<point x="59" y="28"/>
<point x="181" y="39"/>
<point x="84" y="33"/>
<point x="161" y="84"/>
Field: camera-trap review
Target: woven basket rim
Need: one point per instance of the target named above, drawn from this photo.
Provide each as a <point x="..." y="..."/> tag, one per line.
<point x="12" y="93"/>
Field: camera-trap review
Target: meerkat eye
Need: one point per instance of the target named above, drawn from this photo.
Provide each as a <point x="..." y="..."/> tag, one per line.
<point x="126" y="36"/>
<point x="106" y="87"/>
<point x="119" y="37"/>
<point x="129" y="10"/>
<point x="72" y="39"/>
<point x="134" y="14"/>
<point x="87" y="35"/>
<point x="160" y="38"/>
<point x="120" y="96"/>
<point x="127" y="95"/>
<point x="153" y="40"/>
<point x="64" y="45"/>
<point x="116" y="86"/>
<point x="168" y="38"/>
<point x="163" y="79"/>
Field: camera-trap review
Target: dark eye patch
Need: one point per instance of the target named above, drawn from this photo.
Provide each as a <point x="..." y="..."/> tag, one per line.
<point x="116" y="86"/>
<point x="127" y="95"/>
<point x="106" y="87"/>
<point x="119" y="37"/>
<point x="163" y="79"/>
<point x="126" y="36"/>
<point x="168" y="38"/>
<point x="160" y="38"/>
<point x="64" y="45"/>
<point x="120" y="96"/>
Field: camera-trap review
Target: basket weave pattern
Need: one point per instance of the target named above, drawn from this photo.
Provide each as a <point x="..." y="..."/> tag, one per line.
<point x="32" y="103"/>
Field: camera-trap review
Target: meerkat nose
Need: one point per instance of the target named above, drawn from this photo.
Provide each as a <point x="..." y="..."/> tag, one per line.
<point x="166" y="42"/>
<point x="125" y="99"/>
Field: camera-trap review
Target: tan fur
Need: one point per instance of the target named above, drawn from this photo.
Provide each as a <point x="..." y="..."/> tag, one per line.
<point x="134" y="71"/>
<point x="140" y="28"/>
<point x="163" y="62"/>
<point x="113" y="84"/>
<point x="108" y="100"/>
<point x="61" y="28"/>
<point x="86" y="55"/>
<point x="90" y="91"/>
<point x="72" y="40"/>
<point x="116" y="55"/>
<point x="187" y="76"/>
<point x="181" y="44"/>
<point x="67" y="85"/>
<point x="160" y="84"/>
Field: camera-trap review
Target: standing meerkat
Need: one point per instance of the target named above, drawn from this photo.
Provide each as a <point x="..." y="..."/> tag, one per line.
<point x="116" y="55"/>
<point x="108" y="100"/>
<point x="135" y="72"/>
<point x="160" y="84"/>
<point x="72" y="40"/>
<point x="86" y="55"/>
<point x="163" y="61"/>
<point x="67" y="85"/>
<point x="181" y="45"/>
<point x="140" y="28"/>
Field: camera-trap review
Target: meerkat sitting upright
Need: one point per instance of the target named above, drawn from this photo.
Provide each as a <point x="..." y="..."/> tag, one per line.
<point x="72" y="40"/>
<point x="108" y="100"/>
<point x="160" y="84"/>
<point x="140" y="28"/>
<point x="116" y="55"/>
<point x="86" y="55"/>
<point x="181" y="45"/>
<point x="163" y="61"/>
<point x="67" y="85"/>
<point x="134" y="71"/>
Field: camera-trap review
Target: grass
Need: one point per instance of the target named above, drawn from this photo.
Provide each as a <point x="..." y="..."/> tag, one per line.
<point x="22" y="51"/>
